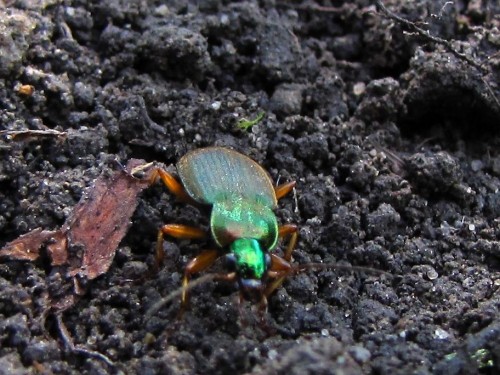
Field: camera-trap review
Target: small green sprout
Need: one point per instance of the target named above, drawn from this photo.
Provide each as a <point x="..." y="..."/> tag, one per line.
<point x="450" y="356"/>
<point x="483" y="358"/>
<point x="245" y="123"/>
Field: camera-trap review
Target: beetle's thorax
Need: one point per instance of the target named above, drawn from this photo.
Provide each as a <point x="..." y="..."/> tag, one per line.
<point x="240" y="217"/>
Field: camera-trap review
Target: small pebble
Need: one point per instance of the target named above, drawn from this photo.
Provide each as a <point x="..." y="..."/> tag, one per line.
<point x="432" y="274"/>
<point x="441" y="334"/>
<point x="476" y="165"/>
<point x="360" y="354"/>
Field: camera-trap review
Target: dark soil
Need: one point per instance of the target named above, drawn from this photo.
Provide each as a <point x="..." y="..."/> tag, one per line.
<point x="393" y="140"/>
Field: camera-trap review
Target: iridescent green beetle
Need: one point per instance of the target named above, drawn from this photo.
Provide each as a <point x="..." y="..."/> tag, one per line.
<point x="242" y="223"/>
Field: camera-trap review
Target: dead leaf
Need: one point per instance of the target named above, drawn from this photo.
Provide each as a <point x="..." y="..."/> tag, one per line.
<point x="27" y="246"/>
<point x="101" y="219"/>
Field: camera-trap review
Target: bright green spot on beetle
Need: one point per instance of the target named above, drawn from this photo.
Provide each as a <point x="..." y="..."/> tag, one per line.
<point x="250" y="259"/>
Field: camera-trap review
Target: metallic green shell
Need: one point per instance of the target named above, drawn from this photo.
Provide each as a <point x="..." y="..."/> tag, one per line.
<point x="212" y="174"/>
<point x="238" y="217"/>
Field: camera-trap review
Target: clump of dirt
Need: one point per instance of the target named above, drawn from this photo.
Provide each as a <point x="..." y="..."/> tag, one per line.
<point x="392" y="138"/>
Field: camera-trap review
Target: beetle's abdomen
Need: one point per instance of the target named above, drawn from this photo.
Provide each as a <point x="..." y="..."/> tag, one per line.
<point x="237" y="217"/>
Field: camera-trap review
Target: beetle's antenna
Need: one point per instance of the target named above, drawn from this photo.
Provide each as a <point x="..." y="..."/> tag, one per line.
<point x="296" y="269"/>
<point x="177" y="293"/>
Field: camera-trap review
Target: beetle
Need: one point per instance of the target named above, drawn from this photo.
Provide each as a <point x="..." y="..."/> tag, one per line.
<point x="243" y="225"/>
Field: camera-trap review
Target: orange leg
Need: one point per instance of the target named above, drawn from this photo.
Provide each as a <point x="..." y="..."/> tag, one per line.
<point x="285" y="230"/>
<point x="183" y="232"/>
<point x="174" y="186"/>
<point x="177" y="231"/>
<point x="280" y="266"/>
<point x="198" y="264"/>
<point x="284" y="189"/>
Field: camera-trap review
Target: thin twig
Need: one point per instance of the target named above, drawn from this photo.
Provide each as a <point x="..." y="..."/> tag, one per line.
<point x="69" y="344"/>
<point x="491" y="92"/>
<point x="425" y="33"/>
<point x="22" y="134"/>
<point x="333" y="266"/>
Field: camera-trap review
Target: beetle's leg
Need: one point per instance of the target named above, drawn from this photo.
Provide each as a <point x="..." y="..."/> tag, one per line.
<point x="174" y="186"/>
<point x="198" y="264"/>
<point x="183" y="232"/>
<point x="262" y="308"/>
<point x="293" y="231"/>
<point x="284" y="189"/>
<point x="280" y="266"/>
<point x="177" y="231"/>
<point x="225" y="276"/>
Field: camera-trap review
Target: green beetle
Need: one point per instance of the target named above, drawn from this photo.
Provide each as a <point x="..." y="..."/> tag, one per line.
<point x="242" y="222"/>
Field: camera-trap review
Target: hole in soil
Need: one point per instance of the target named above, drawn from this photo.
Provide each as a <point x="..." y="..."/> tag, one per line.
<point x="451" y="115"/>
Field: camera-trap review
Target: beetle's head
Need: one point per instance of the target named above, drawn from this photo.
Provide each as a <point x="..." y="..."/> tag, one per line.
<point x="251" y="262"/>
